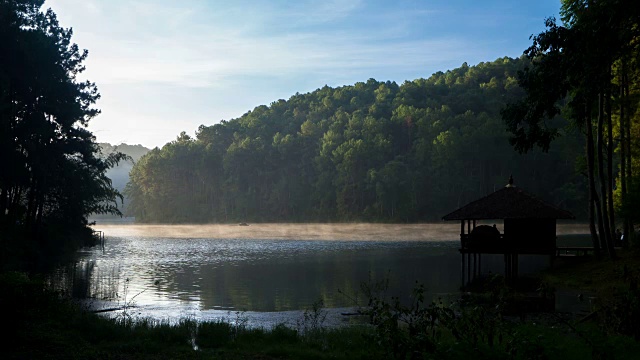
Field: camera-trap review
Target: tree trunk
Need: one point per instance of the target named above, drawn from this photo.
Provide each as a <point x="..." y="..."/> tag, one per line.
<point x="602" y="211"/>
<point x="612" y="218"/>
<point x="592" y="185"/>
<point x="14" y="200"/>
<point x="3" y="204"/>
<point x="628" y="152"/>
<point x="628" y="129"/>
<point x="31" y="204"/>
<point x="623" y="154"/>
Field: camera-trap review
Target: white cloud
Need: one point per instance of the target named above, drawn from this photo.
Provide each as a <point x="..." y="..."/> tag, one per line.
<point x="173" y="48"/>
<point x="258" y="52"/>
<point x="208" y="59"/>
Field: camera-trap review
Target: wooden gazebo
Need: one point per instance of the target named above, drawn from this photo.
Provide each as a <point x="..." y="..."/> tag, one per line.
<point x="529" y="228"/>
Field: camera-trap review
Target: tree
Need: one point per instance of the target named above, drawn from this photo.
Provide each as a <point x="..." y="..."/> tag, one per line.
<point x="571" y="71"/>
<point x="54" y="174"/>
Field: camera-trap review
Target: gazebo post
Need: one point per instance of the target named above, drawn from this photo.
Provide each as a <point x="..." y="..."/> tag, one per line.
<point x="507" y="266"/>
<point x="468" y="268"/>
<point x="462" y="272"/>
<point x="475" y="265"/>
<point x="510" y="257"/>
<point x="462" y="240"/>
<point x="462" y="251"/>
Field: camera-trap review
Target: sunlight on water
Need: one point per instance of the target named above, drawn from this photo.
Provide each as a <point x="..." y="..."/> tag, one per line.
<point x="360" y="232"/>
<point x="213" y="271"/>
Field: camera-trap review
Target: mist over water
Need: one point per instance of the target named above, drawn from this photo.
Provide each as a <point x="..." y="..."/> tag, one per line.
<point x="312" y="231"/>
<point x="358" y="232"/>
<point x="269" y="270"/>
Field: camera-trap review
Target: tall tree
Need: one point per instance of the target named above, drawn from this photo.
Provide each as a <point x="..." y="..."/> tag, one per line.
<point x="53" y="173"/>
<point x="572" y="69"/>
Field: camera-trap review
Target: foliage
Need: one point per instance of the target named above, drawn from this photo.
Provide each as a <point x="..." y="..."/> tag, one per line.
<point x="42" y="325"/>
<point x="312" y="320"/>
<point x="494" y="324"/>
<point x="586" y="68"/>
<point x="372" y="151"/>
<point x="404" y="330"/>
<point x="119" y="174"/>
<point x="53" y="175"/>
<point x="622" y="314"/>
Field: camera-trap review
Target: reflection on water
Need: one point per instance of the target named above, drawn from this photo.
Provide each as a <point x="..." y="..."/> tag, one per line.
<point x="266" y="275"/>
<point x="208" y="269"/>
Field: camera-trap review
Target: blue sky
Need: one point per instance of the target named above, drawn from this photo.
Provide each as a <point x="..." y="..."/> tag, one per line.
<point x="164" y="67"/>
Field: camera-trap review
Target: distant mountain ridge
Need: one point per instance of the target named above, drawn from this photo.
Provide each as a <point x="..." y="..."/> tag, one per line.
<point x="119" y="175"/>
<point x="135" y="151"/>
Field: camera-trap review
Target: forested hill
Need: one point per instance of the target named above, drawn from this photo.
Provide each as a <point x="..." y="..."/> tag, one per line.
<point x="373" y="151"/>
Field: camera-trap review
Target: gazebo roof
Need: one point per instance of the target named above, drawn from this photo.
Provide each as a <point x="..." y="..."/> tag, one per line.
<point x="509" y="202"/>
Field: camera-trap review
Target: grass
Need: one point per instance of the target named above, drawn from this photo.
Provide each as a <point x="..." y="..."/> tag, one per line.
<point x="602" y="277"/>
<point x="40" y="324"/>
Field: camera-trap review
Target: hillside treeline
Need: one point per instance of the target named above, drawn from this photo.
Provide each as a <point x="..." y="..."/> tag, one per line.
<point x="373" y="151"/>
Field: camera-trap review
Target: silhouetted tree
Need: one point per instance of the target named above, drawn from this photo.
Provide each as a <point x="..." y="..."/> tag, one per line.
<point x="53" y="175"/>
<point x="572" y="67"/>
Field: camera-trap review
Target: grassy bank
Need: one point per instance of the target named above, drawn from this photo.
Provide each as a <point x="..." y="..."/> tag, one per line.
<point x="602" y="277"/>
<point x="42" y="325"/>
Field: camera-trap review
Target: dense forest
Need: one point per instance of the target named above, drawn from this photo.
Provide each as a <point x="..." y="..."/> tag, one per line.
<point x="373" y="151"/>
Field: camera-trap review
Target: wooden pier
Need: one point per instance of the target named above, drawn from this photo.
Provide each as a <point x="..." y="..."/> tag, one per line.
<point x="574" y="251"/>
<point x="571" y="251"/>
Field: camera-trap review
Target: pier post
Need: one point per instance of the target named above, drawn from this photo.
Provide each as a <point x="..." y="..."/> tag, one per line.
<point x="468" y="268"/>
<point x="475" y="265"/>
<point x="462" y="272"/>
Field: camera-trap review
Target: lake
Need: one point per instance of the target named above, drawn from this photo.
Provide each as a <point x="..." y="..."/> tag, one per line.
<point x="267" y="273"/>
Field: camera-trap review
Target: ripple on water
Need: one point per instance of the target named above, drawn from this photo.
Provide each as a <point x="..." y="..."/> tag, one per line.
<point x="174" y="275"/>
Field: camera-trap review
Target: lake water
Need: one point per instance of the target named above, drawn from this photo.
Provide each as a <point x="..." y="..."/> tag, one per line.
<point x="267" y="273"/>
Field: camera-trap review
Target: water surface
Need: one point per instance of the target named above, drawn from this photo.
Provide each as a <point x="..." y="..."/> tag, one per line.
<point x="269" y="272"/>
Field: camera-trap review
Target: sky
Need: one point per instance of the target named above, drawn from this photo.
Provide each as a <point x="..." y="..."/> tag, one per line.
<point x="166" y="66"/>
